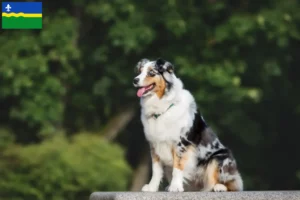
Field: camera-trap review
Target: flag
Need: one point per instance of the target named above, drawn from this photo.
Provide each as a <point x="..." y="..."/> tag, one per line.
<point x="22" y="15"/>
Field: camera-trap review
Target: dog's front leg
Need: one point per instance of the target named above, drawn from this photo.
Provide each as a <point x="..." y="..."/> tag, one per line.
<point x="179" y="161"/>
<point x="157" y="174"/>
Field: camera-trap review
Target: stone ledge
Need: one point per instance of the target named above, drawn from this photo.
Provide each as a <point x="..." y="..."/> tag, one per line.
<point x="246" y="195"/>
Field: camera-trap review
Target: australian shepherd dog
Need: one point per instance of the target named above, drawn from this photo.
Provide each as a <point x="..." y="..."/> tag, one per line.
<point x="183" y="147"/>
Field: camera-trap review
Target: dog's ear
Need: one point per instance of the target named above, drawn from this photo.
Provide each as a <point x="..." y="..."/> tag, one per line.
<point x="160" y="65"/>
<point x="169" y="67"/>
<point x="164" y="66"/>
<point x="160" y="61"/>
<point x="140" y="65"/>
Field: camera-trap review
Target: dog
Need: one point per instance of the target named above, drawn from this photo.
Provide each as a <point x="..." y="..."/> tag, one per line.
<point x="183" y="147"/>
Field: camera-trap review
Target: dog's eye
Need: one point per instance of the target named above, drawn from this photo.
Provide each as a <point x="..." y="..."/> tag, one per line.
<point x="151" y="73"/>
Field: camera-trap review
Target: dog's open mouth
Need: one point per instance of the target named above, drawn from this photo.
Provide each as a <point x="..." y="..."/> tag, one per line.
<point x="143" y="90"/>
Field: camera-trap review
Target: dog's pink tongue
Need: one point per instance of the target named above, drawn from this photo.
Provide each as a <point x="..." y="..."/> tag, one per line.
<point x="141" y="91"/>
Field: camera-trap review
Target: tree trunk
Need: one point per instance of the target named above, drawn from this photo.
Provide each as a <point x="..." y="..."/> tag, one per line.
<point x="141" y="173"/>
<point x="118" y="123"/>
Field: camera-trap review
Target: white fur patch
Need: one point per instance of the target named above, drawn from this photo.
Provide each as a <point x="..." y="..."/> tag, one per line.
<point x="177" y="181"/>
<point x="149" y="188"/>
<point x="220" y="188"/>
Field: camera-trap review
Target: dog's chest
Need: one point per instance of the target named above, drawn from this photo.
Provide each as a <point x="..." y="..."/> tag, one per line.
<point x="164" y="151"/>
<point x="162" y="129"/>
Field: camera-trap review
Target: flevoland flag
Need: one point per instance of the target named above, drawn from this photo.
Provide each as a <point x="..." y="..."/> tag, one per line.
<point x="22" y="15"/>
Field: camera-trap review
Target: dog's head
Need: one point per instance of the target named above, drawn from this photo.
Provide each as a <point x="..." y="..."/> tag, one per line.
<point x="154" y="77"/>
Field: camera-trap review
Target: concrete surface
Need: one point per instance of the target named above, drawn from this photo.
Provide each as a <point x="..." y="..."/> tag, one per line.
<point x="246" y="195"/>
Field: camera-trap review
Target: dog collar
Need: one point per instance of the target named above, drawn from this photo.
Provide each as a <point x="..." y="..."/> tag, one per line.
<point x="157" y="115"/>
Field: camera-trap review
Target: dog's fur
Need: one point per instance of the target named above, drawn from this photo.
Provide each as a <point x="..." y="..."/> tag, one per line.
<point x="182" y="145"/>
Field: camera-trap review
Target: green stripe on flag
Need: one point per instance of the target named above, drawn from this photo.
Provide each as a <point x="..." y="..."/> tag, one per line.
<point x="22" y="23"/>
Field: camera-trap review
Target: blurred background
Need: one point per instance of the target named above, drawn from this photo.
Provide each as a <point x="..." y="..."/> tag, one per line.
<point x="70" y="119"/>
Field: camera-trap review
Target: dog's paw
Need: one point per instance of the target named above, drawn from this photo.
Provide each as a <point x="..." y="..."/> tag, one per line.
<point x="175" y="188"/>
<point x="220" y="188"/>
<point x="148" y="188"/>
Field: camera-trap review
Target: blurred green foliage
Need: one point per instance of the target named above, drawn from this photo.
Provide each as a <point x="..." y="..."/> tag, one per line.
<point x="61" y="168"/>
<point x="239" y="58"/>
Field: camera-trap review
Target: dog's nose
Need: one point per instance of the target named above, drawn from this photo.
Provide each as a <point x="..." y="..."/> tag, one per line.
<point x="136" y="80"/>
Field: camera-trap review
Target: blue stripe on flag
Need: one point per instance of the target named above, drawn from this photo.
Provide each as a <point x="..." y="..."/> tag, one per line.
<point x="25" y="7"/>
